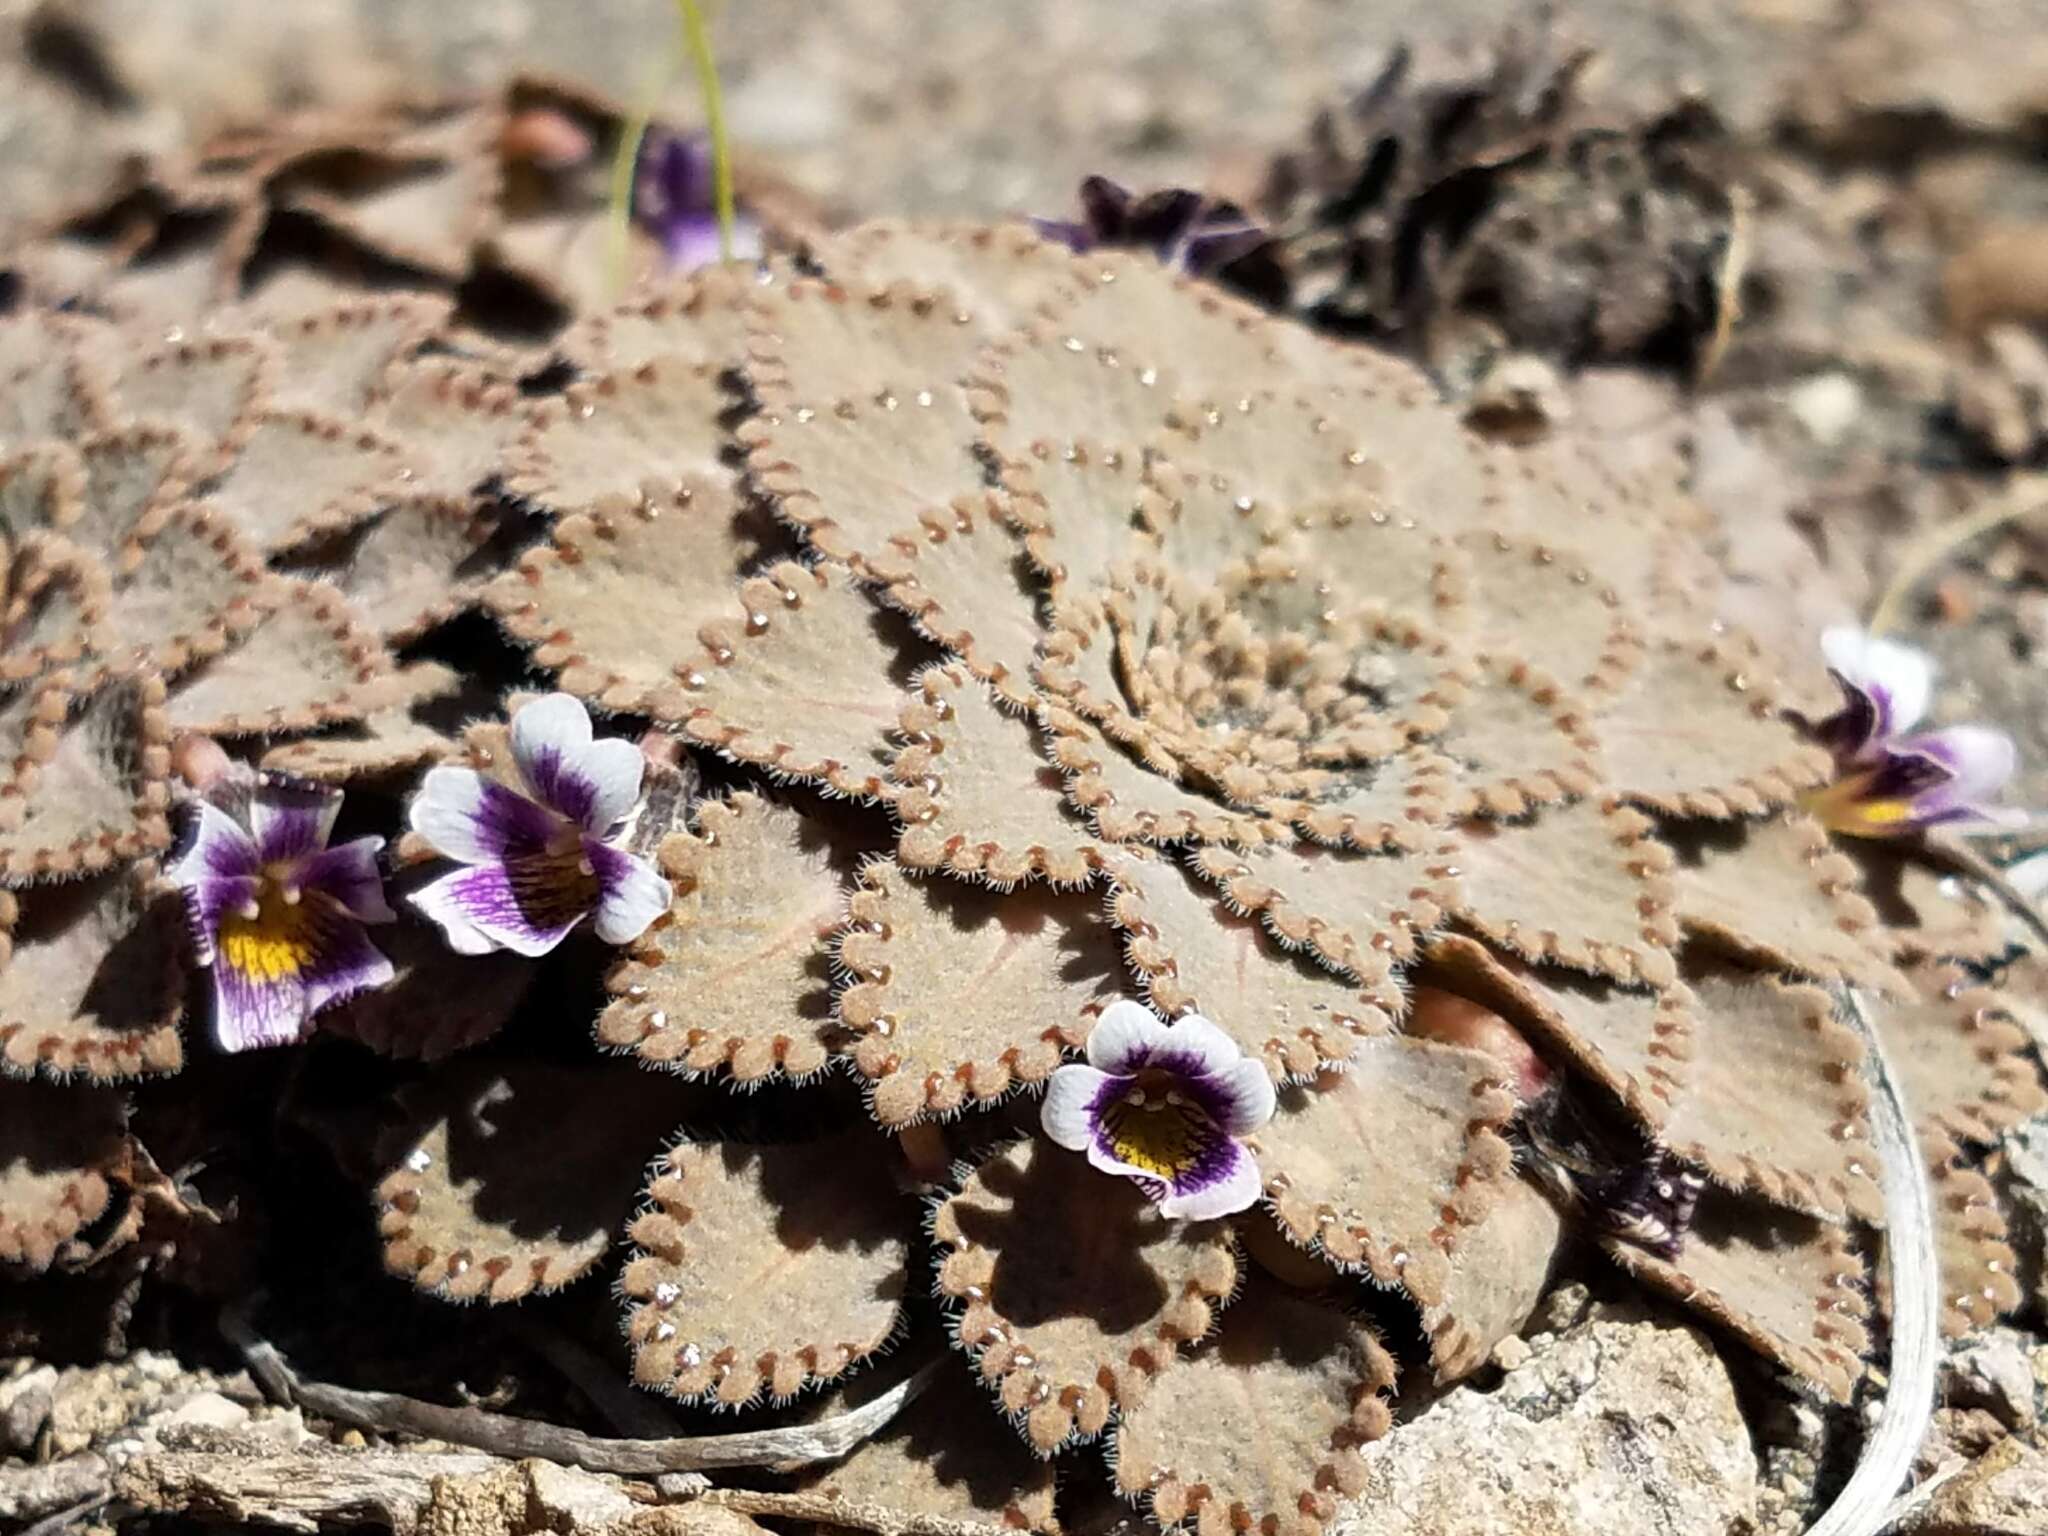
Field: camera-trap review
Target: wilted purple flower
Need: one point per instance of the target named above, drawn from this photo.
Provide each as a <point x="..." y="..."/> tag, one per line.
<point x="674" y="199"/>
<point x="1888" y="782"/>
<point x="1185" y="229"/>
<point x="276" y="913"/>
<point x="1163" y="1105"/>
<point x="539" y="863"/>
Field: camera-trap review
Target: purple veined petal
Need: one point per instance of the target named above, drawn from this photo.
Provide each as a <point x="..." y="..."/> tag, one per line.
<point x="1979" y="759"/>
<point x="1210" y="250"/>
<point x="1188" y="1160"/>
<point x="1193" y="1047"/>
<point x="1898" y="680"/>
<point x="1124" y="1037"/>
<point x="208" y="902"/>
<point x="1074" y="236"/>
<point x="1246" y="1097"/>
<point x="1228" y="1185"/>
<point x="593" y="783"/>
<point x="1854" y="732"/>
<point x="1105" y="205"/>
<point x="475" y="820"/>
<point x="1163" y="221"/>
<point x="221" y="849"/>
<point x="290" y="820"/>
<point x="349" y="875"/>
<point x="527" y="904"/>
<point x="343" y="963"/>
<point x="690" y="241"/>
<point x="251" y="1012"/>
<point x="1070" y="1111"/>
<point x="634" y="892"/>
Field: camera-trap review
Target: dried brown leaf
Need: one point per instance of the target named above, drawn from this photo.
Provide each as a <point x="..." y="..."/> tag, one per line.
<point x="1075" y="1293"/>
<point x="1039" y="965"/>
<point x="762" y="1270"/>
<point x="1380" y="1168"/>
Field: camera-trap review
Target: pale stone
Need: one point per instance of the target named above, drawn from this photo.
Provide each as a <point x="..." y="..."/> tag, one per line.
<point x="1616" y="1425"/>
<point x="2002" y="1493"/>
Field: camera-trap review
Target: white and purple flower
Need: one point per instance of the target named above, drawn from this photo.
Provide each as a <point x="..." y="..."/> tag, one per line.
<point x="1164" y="1105"/>
<point x="277" y="914"/>
<point x="539" y="863"/>
<point x="674" y="199"/>
<point x="1889" y="782"/>
<point x="1187" y="230"/>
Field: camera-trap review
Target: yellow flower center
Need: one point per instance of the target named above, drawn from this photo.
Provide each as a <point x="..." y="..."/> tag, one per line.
<point x="273" y="938"/>
<point x="1157" y="1131"/>
<point x="1841" y="807"/>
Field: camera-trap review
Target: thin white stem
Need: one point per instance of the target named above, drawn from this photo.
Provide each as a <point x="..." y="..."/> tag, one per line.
<point x="1864" y="1506"/>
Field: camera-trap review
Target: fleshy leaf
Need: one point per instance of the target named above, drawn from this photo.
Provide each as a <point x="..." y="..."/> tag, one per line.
<point x="437" y="1003"/>
<point x="42" y="486"/>
<point x="338" y="360"/>
<point x="1516" y="741"/>
<point x="864" y="425"/>
<point x="945" y="1466"/>
<point x="388" y="740"/>
<point x="57" y="1147"/>
<point x="1381" y="1167"/>
<point x="800" y="684"/>
<point x="626" y="439"/>
<point x="301" y="475"/>
<point x="1194" y="953"/>
<point x="1130" y="803"/>
<point x="186" y="587"/>
<point x="616" y="601"/>
<point x="132" y="476"/>
<point x="1777" y="893"/>
<point x="211" y="389"/>
<point x="1774" y="1100"/>
<point x="1497" y="1278"/>
<point x="90" y="787"/>
<point x="978" y="797"/>
<point x="53" y="606"/>
<point x="1635" y="1044"/>
<point x="762" y="1270"/>
<point x="1356" y="912"/>
<point x="737" y="974"/>
<point x="1541" y="601"/>
<point x="93" y="982"/>
<point x="1039" y="964"/>
<point x="471" y="1211"/>
<point x="459" y="424"/>
<point x="1979" y="1270"/>
<point x="1585" y="885"/>
<point x="1075" y="1294"/>
<point x="1002" y="272"/>
<point x="417" y="565"/>
<point x="1696" y="732"/>
<point x="1786" y="1285"/>
<point x="1961" y="1057"/>
<point x="956" y="574"/>
<point x="1259" y="1430"/>
<point x="308" y="662"/>
<point x="697" y="322"/>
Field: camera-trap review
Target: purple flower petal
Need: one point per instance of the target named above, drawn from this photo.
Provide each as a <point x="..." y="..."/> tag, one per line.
<point x="1227" y="1184"/>
<point x="220" y="849"/>
<point x="1896" y="679"/>
<point x="1071" y="1111"/>
<point x="290" y="820"/>
<point x="593" y="783"/>
<point x="635" y="893"/>
<point x="272" y="972"/>
<point x="208" y="902"/>
<point x="476" y="820"/>
<point x="527" y="904"/>
<point x="350" y="877"/>
<point x="1124" y="1038"/>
